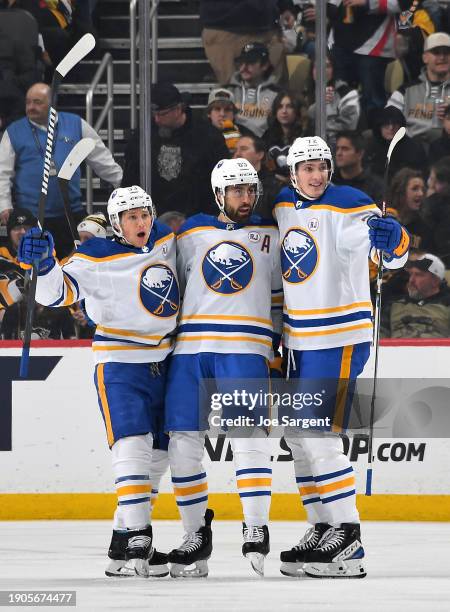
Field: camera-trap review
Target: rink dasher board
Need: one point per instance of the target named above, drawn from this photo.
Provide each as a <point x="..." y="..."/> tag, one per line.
<point x="59" y="463"/>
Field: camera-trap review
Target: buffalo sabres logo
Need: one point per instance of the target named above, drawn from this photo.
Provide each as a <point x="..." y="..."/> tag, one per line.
<point x="159" y="291"/>
<point x="227" y="268"/>
<point x="299" y="255"/>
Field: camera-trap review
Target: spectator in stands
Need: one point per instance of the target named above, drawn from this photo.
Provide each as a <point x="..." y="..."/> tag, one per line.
<point x="17" y="72"/>
<point x="221" y="112"/>
<point x="417" y="20"/>
<point x="406" y="195"/>
<point x="363" y="45"/>
<point x="436" y="208"/>
<point x="441" y="147"/>
<point x="184" y="152"/>
<point x="408" y="153"/>
<point x="341" y="104"/>
<point x="229" y="25"/>
<point x="48" y="322"/>
<point x="424" y="101"/>
<point x="254" y="150"/>
<point x="173" y="219"/>
<point x="22" y="150"/>
<point x="285" y="125"/>
<point x="254" y="88"/>
<point x="289" y="25"/>
<point x="349" y="168"/>
<point x="425" y="311"/>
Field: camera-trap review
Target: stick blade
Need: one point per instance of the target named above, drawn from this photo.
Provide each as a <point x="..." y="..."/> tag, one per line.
<point x="76" y="54"/>
<point x="76" y="156"/>
<point x="397" y="137"/>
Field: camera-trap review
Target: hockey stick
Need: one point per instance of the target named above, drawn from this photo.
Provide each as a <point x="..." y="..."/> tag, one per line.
<point x="376" y="334"/>
<point x="76" y="156"/>
<point x="75" y="55"/>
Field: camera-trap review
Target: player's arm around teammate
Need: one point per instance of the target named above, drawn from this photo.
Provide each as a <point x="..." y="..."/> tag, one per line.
<point x="326" y="235"/>
<point x="130" y="289"/>
<point x="229" y="266"/>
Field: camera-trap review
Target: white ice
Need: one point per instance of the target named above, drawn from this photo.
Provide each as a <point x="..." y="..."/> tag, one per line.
<point x="407" y="564"/>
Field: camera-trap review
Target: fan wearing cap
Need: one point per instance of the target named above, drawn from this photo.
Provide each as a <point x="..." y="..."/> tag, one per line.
<point x="221" y="112"/>
<point x="427" y="97"/>
<point x="47" y="323"/>
<point x="11" y="275"/>
<point x="254" y="87"/>
<point x="425" y="311"/>
<point x="184" y="150"/>
<point x="131" y="293"/>
<point x="326" y="234"/>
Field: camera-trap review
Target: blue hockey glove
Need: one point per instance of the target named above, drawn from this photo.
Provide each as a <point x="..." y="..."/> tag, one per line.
<point x="37" y="247"/>
<point x="388" y="235"/>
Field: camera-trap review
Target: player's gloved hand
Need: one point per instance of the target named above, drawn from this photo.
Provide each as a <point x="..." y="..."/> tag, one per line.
<point x="37" y="246"/>
<point x="388" y="235"/>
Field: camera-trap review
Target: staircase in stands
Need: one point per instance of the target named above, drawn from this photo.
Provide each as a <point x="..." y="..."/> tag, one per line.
<point x="181" y="60"/>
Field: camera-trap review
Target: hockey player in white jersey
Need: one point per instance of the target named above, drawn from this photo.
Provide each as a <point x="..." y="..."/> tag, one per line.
<point x="326" y="235"/>
<point x="131" y="292"/>
<point x="231" y="316"/>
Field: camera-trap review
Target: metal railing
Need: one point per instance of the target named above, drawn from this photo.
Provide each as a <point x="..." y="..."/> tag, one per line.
<point x="153" y="18"/>
<point x="107" y="111"/>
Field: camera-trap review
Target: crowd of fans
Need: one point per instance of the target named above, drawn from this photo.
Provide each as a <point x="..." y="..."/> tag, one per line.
<point x="255" y="113"/>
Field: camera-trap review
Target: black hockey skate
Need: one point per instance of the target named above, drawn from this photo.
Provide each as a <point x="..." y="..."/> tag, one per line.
<point x="339" y="554"/>
<point x="292" y="561"/>
<point x="120" y="567"/>
<point x="256" y="546"/>
<point x="195" y="550"/>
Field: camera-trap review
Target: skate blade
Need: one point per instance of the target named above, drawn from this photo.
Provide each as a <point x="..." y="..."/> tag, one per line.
<point x="199" y="569"/>
<point x="139" y="566"/>
<point x="293" y="570"/>
<point x="117" y="569"/>
<point x="257" y="562"/>
<point x="158" y="571"/>
<point x="352" y="568"/>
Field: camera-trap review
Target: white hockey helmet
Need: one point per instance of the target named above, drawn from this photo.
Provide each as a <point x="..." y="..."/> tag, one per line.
<point x="229" y="172"/>
<point x="127" y="198"/>
<point x="307" y="149"/>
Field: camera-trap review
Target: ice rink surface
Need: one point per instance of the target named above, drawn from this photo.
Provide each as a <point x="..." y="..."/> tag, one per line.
<point x="407" y="564"/>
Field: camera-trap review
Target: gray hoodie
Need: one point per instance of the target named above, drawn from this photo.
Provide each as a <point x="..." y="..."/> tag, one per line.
<point x="253" y="103"/>
<point x="416" y="101"/>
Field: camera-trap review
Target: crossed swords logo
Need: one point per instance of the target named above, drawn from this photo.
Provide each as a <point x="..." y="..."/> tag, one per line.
<point x="227" y="276"/>
<point x="164" y="298"/>
<point x="295" y="264"/>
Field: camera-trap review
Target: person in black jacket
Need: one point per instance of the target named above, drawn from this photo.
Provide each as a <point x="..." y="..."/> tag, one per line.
<point x="229" y="24"/>
<point x="408" y="153"/>
<point x="184" y="152"/>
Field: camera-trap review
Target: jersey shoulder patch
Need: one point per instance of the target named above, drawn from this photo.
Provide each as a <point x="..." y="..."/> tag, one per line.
<point x="199" y="220"/>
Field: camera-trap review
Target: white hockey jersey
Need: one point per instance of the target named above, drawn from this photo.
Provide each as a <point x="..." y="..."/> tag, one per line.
<point x="132" y="294"/>
<point x="324" y="247"/>
<point x="232" y="285"/>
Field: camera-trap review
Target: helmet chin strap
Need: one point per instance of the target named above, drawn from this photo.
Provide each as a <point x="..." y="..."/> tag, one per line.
<point x="302" y="194"/>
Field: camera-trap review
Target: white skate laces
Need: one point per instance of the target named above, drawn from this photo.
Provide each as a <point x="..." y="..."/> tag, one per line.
<point x="253" y="534"/>
<point x="191" y="541"/>
<point x="309" y="540"/>
<point x="332" y="538"/>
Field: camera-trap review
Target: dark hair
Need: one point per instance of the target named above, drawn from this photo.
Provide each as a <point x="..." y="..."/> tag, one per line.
<point x="355" y="138"/>
<point x="274" y="133"/>
<point x="442" y="170"/>
<point x="398" y="187"/>
<point x="258" y="143"/>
